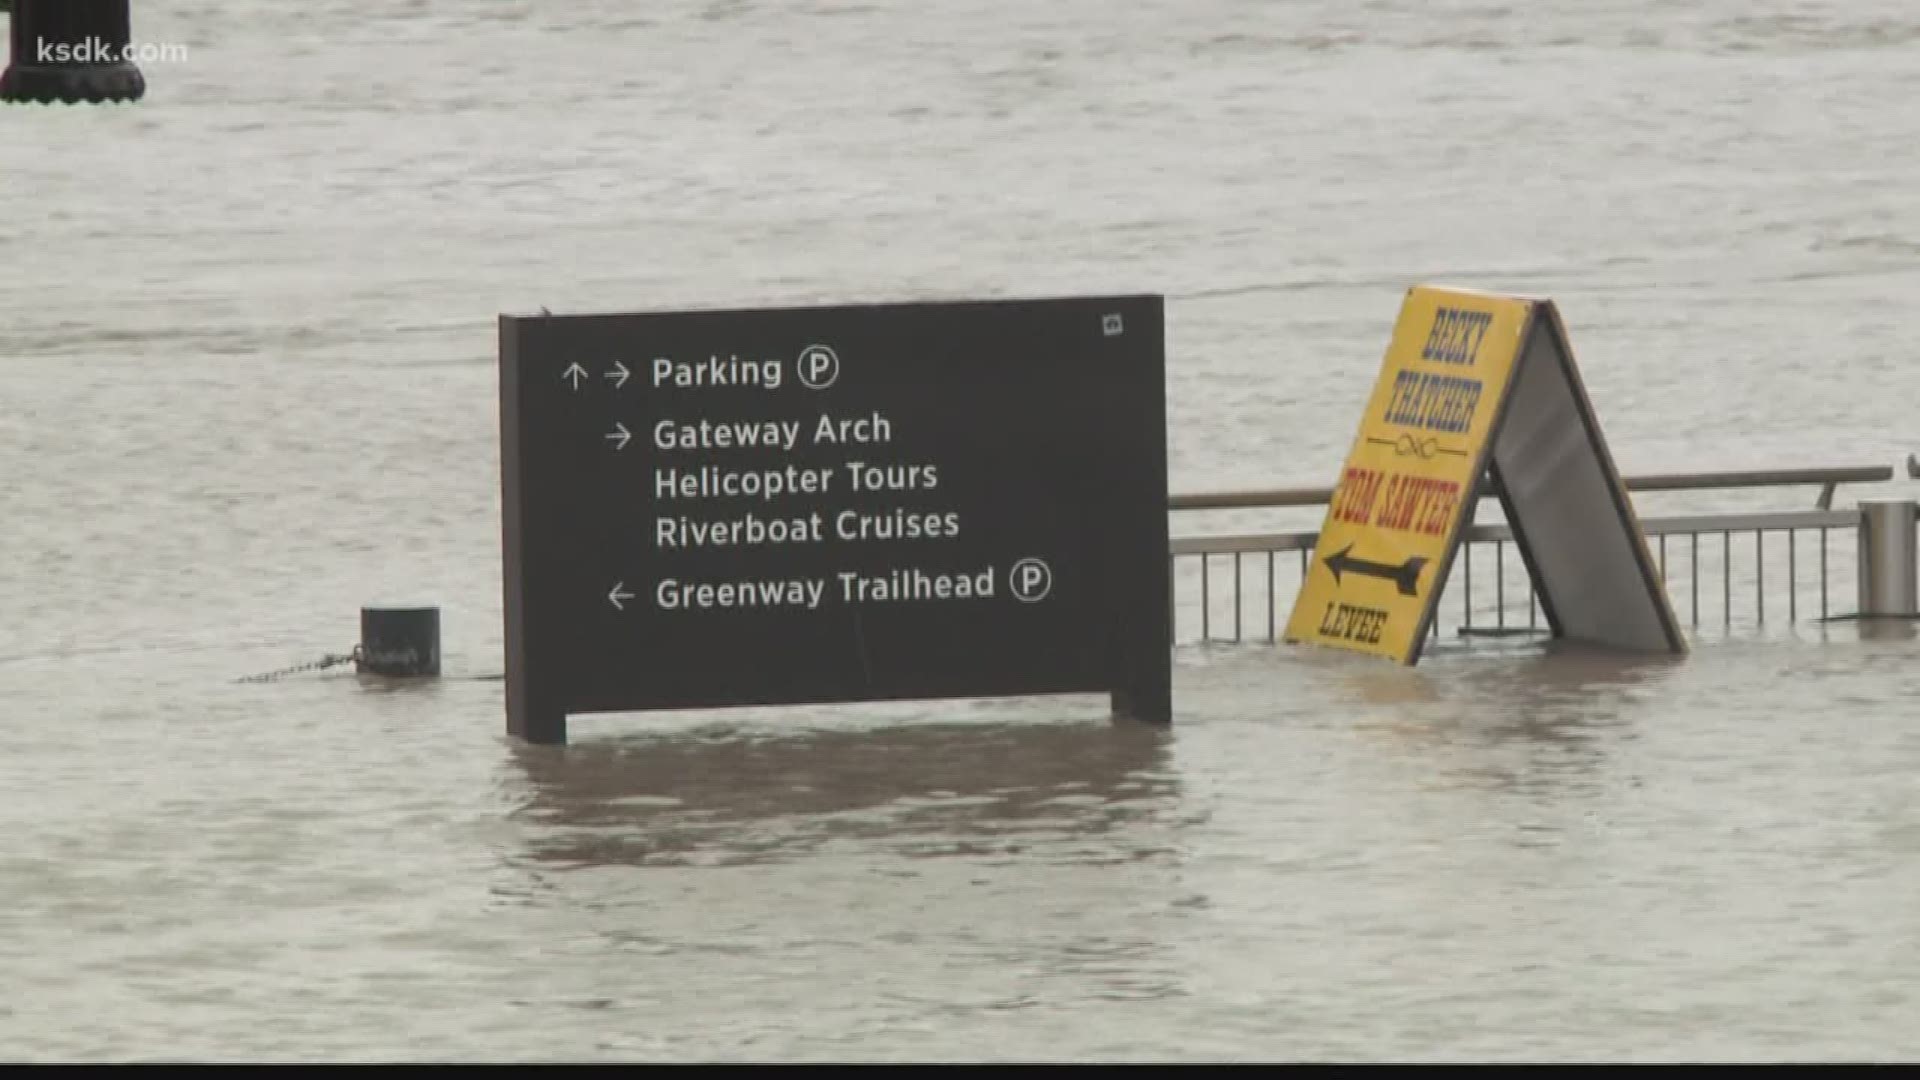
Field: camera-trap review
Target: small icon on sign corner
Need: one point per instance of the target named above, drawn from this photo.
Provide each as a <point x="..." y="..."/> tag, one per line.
<point x="1111" y="326"/>
<point x="818" y="366"/>
<point x="1031" y="580"/>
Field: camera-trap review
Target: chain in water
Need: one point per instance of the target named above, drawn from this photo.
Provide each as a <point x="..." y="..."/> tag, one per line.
<point x="322" y="664"/>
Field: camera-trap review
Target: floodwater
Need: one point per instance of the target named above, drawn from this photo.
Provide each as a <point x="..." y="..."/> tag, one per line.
<point x="249" y="386"/>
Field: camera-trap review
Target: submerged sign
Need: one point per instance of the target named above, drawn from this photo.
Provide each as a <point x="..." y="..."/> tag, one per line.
<point x="1412" y="474"/>
<point x="1478" y="385"/>
<point x="834" y="504"/>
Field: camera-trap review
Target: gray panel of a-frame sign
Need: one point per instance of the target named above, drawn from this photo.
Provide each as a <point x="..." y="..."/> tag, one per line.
<point x="1569" y="511"/>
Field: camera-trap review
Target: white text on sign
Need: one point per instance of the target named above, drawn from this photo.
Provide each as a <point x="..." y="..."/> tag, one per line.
<point x="770" y="434"/>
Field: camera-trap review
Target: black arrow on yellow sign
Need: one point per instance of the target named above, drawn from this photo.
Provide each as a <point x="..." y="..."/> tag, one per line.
<point x="1406" y="576"/>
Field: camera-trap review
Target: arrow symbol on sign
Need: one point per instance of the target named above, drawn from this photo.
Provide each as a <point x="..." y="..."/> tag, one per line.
<point x="574" y="374"/>
<point x="619" y="435"/>
<point x="1406" y="576"/>
<point x="619" y="374"/>
<point x="618" y="593"/>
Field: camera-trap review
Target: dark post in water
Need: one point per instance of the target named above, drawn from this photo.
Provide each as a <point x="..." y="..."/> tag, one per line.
<point x="885" y="502"/>
<point x="71" y="51"/>
<point x="400" y="642"/>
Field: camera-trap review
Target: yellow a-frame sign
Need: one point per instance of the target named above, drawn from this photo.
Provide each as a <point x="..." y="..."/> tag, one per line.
<point x="1476" y="385"/>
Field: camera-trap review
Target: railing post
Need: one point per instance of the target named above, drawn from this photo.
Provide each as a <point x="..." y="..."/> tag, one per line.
<point x="1887" y="569"/>
<point x="71" y="50"/>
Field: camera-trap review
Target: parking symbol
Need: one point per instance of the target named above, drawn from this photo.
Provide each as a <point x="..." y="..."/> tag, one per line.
<point x="1031" y="580"/>
<point x="1110" y="325"/>
<point x="818" y="366"/>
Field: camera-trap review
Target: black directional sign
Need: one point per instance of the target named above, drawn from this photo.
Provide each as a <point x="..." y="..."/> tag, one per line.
<point x="834" y="504"/>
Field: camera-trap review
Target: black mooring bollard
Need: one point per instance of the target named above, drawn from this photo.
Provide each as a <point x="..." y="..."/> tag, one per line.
<point x="70" y="51"/>
<point x="399" y="642"/>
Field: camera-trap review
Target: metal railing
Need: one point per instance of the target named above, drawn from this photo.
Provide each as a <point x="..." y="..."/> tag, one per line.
<point x="1240" y="586"/>
<point x="1828" y="478"/>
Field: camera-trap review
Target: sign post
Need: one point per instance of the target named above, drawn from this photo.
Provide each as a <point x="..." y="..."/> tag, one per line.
<point x="1476" y="385"/>
<point x="805" y="505"/>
